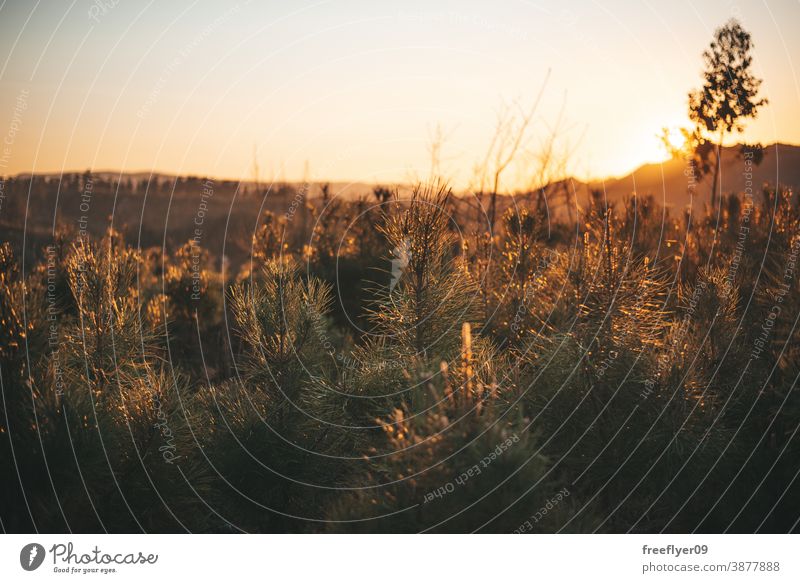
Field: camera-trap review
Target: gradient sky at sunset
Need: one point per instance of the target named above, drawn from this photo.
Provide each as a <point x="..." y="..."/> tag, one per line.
<point x="353" y="90"/>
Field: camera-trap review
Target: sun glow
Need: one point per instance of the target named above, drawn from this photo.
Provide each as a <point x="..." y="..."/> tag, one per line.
<point x="355" y="101"/>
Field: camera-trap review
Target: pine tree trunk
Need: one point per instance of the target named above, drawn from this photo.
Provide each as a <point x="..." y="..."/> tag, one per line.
<point x="717" y="165"/>
<point x="492" y="211"/>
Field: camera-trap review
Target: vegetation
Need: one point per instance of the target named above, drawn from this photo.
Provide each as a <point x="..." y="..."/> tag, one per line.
<point x="515" y="381"/>
<point x="400" y="365"/>
<point x="729" y="96"/>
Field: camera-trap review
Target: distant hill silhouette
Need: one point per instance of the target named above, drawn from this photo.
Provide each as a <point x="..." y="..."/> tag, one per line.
<point x="669" y="181"/>
<point x="140" y="180"/>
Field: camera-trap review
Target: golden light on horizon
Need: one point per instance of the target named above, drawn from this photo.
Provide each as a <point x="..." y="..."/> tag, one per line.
<point x="348" y="91"/>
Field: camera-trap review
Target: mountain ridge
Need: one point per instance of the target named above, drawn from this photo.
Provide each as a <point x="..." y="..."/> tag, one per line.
<point x="670" y="182"/>
<point x="673" y="183"/>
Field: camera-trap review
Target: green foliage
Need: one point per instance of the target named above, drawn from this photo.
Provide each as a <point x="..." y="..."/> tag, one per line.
<point x="452" y="469"/>
<point x="433" y="292"/>
<point x="728" y="97"/>
<point x="280" y="319"/>
<point x="517" y="382"/>
<point x="729" y="91"/>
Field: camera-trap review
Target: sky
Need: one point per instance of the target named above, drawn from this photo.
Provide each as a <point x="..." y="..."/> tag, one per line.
<point x="357" y="90"/>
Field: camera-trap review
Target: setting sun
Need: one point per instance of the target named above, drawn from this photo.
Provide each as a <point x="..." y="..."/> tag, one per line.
<point x="350" y="91"/>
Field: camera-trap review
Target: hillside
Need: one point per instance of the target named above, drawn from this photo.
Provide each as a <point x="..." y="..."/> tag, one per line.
<point x="670" y="181"/>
